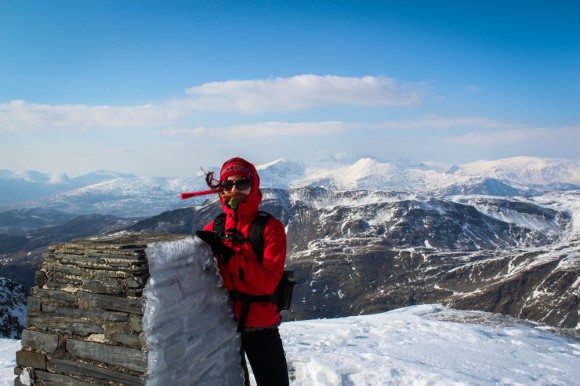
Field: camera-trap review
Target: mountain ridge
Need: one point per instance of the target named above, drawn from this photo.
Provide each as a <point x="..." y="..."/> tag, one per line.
<point x="367" y="236"/>
<point x="131" y="196"/>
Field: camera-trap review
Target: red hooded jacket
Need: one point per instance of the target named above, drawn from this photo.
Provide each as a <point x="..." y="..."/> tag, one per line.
<point x="243" y="272"/>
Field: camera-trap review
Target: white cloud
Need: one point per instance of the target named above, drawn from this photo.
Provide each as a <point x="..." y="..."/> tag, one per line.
<point x="265" y="129"/>
<point x="19" y="115"/>
<point x="570" y="134"/>
<point x="436" y="122"/>
<point x="302" y="92"/>
<point x="270" y="129"/>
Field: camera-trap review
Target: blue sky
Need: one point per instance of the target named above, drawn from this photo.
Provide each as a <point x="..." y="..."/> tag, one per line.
<point x="164" y="88"/>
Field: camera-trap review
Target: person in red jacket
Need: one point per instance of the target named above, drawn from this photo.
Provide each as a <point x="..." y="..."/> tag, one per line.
<point x="244" y="274"/>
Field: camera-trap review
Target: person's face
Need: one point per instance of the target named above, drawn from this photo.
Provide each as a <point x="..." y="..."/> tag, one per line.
<point x="238" y="188"/>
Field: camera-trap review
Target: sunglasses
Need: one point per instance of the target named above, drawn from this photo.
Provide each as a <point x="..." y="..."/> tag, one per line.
<point x="242" y="184"/>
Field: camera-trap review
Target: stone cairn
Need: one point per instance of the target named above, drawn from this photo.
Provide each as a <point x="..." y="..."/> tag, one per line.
<point x="89" y="321"/>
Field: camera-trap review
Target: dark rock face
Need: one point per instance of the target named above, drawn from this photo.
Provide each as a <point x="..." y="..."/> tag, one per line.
<point x="12" y="309"/>
<point x="533" y="288"/>
<point x="362" y="251"/>
<point x="365" y="252"/>
<point x="371" y="258"/>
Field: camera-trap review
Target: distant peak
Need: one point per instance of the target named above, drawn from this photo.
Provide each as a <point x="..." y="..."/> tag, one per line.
<point x="366" y="160"/>
<point x="269" y="164"/>
<point x="59" y="179"/>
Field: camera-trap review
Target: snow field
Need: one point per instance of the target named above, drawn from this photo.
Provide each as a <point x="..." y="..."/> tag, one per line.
<point x="417" y="346"/>
<point x="414" y="346"/>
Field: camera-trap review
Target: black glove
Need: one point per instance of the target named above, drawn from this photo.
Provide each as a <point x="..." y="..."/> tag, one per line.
<point x="218" y="248"/>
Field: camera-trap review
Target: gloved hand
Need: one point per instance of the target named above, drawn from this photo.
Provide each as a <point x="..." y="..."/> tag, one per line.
<point x="223" y="252"/>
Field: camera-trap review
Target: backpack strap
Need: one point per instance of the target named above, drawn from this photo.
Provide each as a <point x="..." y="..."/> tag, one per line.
<point x="219" y="225"/>
<point x="257" y="234"/>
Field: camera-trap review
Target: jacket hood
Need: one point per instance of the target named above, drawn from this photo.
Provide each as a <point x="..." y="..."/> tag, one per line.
<point x="240" y="167"/>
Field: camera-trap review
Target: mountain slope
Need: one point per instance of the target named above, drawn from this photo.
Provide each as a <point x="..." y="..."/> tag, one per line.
<point x="130" y="196"/>
<point x="365" y="251"/>
<point x="20" y="220"/>
<point x="31" y="185"/>
<point x="419" y="234"/>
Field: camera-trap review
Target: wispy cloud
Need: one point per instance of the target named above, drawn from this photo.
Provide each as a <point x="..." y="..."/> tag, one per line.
<point x="311" y="129"/>
<point x="265" y="129"/>
<point x="22" y="116"/>
<point x="518" y="136"/>
<point x="437" y="122"/>
<point x="302" y="92"/>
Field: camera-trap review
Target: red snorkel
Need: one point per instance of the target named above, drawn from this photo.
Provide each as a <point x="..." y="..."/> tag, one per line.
<point x="215" y="187"/>
<point x="185" y="195"/>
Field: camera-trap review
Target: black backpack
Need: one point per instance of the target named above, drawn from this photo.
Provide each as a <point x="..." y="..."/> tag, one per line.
<point x="282" y="297"/>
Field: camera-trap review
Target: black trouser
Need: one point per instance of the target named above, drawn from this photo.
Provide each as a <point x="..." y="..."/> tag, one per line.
<point x="266" y="355"/>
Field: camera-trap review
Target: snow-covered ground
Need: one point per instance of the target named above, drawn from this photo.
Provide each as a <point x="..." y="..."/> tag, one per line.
<point x="420" y="345"/>
<point x="8" y="348"/>
<point x="428" y="345"/>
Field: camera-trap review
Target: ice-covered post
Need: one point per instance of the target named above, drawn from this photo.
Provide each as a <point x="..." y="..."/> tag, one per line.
<point x="130" y="308"/>
<point x="190" y="331"/>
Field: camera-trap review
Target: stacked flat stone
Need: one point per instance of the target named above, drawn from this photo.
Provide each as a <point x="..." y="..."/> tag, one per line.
<point x="87" y="312"/>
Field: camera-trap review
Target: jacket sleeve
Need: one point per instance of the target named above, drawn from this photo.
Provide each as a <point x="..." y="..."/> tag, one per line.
<point x="262" y="279"/>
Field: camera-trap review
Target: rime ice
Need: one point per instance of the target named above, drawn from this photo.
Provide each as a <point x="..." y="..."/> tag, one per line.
<point x="191" y="335"/>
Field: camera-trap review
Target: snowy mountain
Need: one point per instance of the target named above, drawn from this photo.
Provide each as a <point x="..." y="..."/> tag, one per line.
<point x="19" y="187"/>
<point x="30" y="185"/>
<point x="99" y="176"/>
<point x="369" y="236"/>
<point x="526" y="170"/>
<point x="358" y="252"/>
<point x="420" y="345"/>
<point x="367" y="173"/>
<point x="130" y="196"/>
